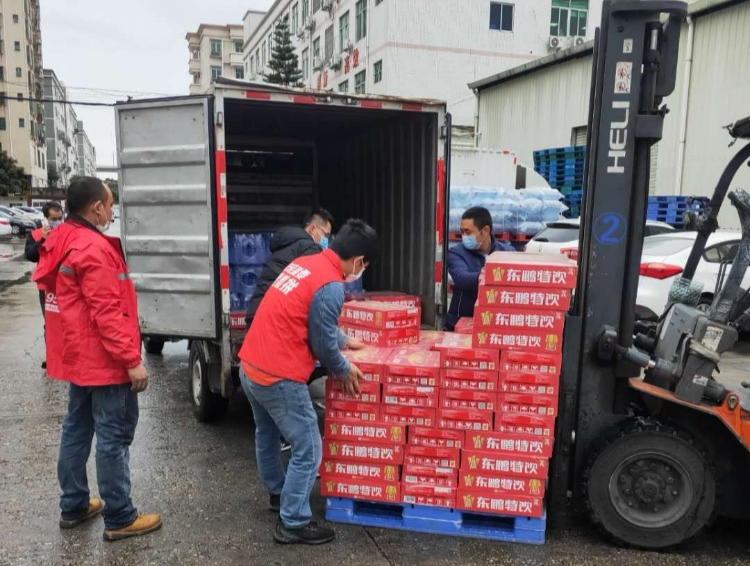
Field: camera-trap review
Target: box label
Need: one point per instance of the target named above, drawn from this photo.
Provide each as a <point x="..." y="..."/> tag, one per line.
<point x="362" y="470"/>
<point x="362" y="452"/>
<point x="502" y="485"/>
<point x="366" y="490"/>
<point x="519" y="505"/>
<point x="375" y="432"/>
<point x="520" y="339"/>
<point x="505" y="319"/>
<point x="548" y="299"/>
<point x="503" y="463"/>
<point x="511" y="443"/>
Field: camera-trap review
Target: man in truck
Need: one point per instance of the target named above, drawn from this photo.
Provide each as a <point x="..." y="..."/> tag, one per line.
<point x="297" y="323"/>
<point x="466" y="261"/>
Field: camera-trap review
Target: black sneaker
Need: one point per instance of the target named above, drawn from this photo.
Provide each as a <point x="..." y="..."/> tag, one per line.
<point x="274" y="503"/>
<point x="44" y="364"/>
<point x="312" y="533"/>
<point x="285" y="446"/>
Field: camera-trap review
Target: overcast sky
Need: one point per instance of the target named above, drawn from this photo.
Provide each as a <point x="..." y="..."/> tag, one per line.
<point x="135" y="47"/>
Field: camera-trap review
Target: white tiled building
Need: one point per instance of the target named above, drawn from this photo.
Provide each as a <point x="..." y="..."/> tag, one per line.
<point x="215" y="51"/>
<point x="61" y="124"/>
<point x="419" y="48"/>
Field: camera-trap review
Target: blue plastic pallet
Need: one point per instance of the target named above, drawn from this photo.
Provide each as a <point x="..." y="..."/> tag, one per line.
<point x="436" y="520"/>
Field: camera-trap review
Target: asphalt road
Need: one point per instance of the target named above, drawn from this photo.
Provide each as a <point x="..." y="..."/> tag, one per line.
<point x="204" y="481"/>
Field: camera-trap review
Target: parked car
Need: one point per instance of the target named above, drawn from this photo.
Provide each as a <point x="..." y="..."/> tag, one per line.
<point x="5" y="228"/>
<point x="664" y="257"/>
<point x="31" y="211"/>
<point x="19" y="224"/>
<point x="15" y="212"/>
<point x="562" y="236"/>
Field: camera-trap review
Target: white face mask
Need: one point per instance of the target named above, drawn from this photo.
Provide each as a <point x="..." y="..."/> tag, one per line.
<point x="106" y="226"/>
<point x="352" y="277"/>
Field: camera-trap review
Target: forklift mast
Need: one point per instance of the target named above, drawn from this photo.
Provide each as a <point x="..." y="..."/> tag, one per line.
<point x="634" y="68"/>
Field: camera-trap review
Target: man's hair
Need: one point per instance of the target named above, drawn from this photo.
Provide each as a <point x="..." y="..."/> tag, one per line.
<point x="320" y="214"/>
<point x="50" y="206"/>
<point x="355" y="239"/>
<point x="84" y="191"/>
<point x="480" y="216"/>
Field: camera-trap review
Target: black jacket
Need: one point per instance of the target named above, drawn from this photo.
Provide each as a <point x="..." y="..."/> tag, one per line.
<point x="287" y="244"/>
<point x="31" y="251"/>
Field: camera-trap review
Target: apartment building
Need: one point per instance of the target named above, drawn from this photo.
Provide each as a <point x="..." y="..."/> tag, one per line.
<point x="215" y="51"/>
<point x="86" y="153"/>
<point x="418" y="48"/>
<point x="22" y="123"/>
<point x="61" y="124"/>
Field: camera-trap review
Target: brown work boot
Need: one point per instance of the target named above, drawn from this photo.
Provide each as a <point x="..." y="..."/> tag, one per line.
<point x="143" y="525"/>
<point x="95" y="507"/>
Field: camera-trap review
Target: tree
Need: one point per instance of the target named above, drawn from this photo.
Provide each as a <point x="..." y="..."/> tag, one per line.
<point x="284" y="63"/>
<point x="53" y="177"/>
<point x="12" y="177"/>
<point x="114" y="186"/>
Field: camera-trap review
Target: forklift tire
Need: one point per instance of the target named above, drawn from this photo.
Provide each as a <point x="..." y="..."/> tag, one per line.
<point x="649" y="486"/>
<point x="153" y="345"/>
<point x="207" y="406"/>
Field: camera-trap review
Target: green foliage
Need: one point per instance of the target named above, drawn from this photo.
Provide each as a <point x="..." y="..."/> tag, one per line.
<point x="12" y="177"/>
<point x="284" y="63"/>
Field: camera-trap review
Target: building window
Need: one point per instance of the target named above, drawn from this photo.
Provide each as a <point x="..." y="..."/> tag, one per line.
<point x="2" y="123"/>
<point x="215" y="72"/>
<point x="19" y="96"/>
<point x="270" y="46"/>
<point x="501" y="16"/>
<point x="263" y="52"/>
<point x="295" y="18"/>
<point x="361" y="19"/>
<point x="378" y="2"/>
<point x="19" y="72"/>
<point x="238" y="47"/>
<point x="344" y="31"/>
<point x="15" y="18"/>
<point x="360" y="82"/>
<point x="377" y="72"/>
<point x="2" y="73"/>
<point x="239" y="73"/>
<point x="316" y="48"/>
<point x="344" y="87"/>
<point x="329" y="43"/>
<point x="306" y="64"/>
<point x="305" y="11"/>
<point x="21" y="123"/>
<point x="216" y="47"/>
<point x="258" y="68"/>
<point x="316" y="5"/>
<point x="17" y="45"/>
<point x="569" y="18"/>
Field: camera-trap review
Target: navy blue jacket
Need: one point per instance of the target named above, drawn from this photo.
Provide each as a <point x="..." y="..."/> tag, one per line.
<point x="464" y="267"/>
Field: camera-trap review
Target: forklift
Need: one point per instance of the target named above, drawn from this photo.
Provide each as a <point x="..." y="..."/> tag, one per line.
<point x="649" y="442"/>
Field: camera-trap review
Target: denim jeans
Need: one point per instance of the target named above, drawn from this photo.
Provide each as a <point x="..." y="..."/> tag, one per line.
<point x="285" y="409"/>
<point x="111" y="412"/>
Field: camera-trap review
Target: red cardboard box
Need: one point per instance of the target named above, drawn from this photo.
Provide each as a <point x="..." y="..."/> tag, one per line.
<point x="505" y="319"/>
<point x="469" y="358"/>
<point x="360" y="470"/>
<point x="530" y="362"/>
<point x="505" y="464"/>
<point x="469" y="379"/>
<point x="500" y="485"/>
<point x="349" y="451"/>
<point x="464" y="419"/>
<point x="463" y="399"/>
<point x="530" y="270"/>
<point x="352" y="411"/>
<point x="382" y="338"/>
<point x="516" y="423"/>
<point x="410" y="395"/>
<point x="430" y="475"/>
<point x="518" y="339"/>
<point x="365" y="432"/>
<point x="368" y="490"/>
<point x="414" y="360"/>
<point x="430" y="338"/>
<point x="412" y="380"/>
<point x="527" y="383"/>
<point x="519" y="505"/>
<point x="510" y="443"/>
<point x="369" y="392"/>
<point x="392" y="297"/>
<point x="370" y="360"/>
<point x="374" y="314"/>
<point x="432" y="456"/>
<point x="423" y="436"/>
<point x="464" y="325"/>
<point x="419" y="416"/>
<point x="542" y="405"/>
<point x="519" y="297"/>
<point x="454" y="340"/>
<point x="435" y="496"/>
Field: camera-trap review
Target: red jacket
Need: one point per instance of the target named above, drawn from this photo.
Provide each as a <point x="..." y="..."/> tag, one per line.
<point x="91" y="314"/>
<point x="277" y="341"/>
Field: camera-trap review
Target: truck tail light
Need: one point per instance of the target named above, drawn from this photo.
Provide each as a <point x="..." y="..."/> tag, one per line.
<point x="659" y="270"/>
<point x="571" y="253"/>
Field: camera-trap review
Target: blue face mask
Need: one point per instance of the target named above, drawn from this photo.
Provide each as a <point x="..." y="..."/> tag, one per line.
<point x="54" y="223"/>
<point x="471" y="243"/>
<point x="324" y="243"/>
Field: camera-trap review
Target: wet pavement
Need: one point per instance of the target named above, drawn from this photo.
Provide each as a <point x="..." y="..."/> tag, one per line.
<point x="203" y="479"/>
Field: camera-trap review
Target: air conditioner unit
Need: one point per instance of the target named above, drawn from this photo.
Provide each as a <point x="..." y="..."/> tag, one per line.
<point x="579" y="40"/>
<point x="556" y="42"/>
<point x="336" y="62"/>
<point x="310" y="23"/>
<point x="317" y="63"/>
<point x="348" y="48"/>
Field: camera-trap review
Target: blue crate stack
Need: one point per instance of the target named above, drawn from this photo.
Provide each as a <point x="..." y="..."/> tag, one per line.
<point x="563" y="168"/>
<point x="247" y="253"/>
<point x="670" y="209"/>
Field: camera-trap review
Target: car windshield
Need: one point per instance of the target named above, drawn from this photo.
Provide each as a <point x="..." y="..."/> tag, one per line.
<point x="665" y="246"/>
<point x="557" y="232"/>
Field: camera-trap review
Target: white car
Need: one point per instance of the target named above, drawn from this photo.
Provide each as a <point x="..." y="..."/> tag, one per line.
<point x="5" y="228"/>
<point x="663" y="259"/>
<point x="31" y="211"/>
<point x="562" y="236"/>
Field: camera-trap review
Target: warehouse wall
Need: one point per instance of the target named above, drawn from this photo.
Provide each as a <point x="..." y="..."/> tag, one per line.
<point x="539" y="110"/>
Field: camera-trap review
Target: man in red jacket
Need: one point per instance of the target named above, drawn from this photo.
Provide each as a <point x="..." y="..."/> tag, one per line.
<point x="94" y="342"/>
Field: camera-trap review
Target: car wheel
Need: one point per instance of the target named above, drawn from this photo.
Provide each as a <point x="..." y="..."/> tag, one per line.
<point x="153" y="345"/>
<point x="207" y="406"/>
<point x="15" y="230"/>
<point x="650" y="486"/>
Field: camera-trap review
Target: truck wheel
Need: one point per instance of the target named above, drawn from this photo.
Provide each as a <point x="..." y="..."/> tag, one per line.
<point x="153" y="345"/>
<point x="207" y="406"/>
<point x="650" y="486"/>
